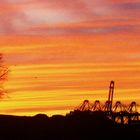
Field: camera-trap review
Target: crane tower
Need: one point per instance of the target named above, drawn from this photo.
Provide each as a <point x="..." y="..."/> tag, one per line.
<point x="108" y="105"/>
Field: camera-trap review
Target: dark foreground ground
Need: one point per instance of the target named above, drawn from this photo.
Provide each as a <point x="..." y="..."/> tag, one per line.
<point x="77" y="126"/>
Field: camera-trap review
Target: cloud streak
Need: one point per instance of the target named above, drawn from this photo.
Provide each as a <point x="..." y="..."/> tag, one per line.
<point x="19" y="17"/>
<point x="61" y="52"/>
<point x="129" y="6"/>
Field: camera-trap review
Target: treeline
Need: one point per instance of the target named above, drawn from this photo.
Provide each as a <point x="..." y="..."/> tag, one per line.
<point x="74" y="126"/>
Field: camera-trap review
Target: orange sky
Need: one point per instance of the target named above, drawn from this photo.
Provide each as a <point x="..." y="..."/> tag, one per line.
<point x="60" y="53"/>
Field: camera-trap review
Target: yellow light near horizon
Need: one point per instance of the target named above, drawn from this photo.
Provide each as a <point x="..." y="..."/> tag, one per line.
<point x="55" y="74"/>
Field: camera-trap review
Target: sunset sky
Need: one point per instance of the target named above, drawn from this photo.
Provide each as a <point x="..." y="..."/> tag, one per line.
<point x="60" y="52"/>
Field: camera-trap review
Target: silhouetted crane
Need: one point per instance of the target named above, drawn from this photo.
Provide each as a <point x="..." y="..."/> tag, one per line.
<point x="119" y="112"/>
<point x="96" y="106"/>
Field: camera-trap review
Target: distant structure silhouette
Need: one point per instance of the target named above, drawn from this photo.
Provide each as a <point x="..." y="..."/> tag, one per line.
<point x="85" y="106"/>
<point x="110" y="96"/>
<point x="97" y="106"/>
<point x="132" y="107"/>
<point x="119" y="112"/>
<point x="119" y="107"/>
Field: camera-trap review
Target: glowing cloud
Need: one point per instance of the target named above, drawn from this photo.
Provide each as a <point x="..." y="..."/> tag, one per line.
<point x="61" y="52"/>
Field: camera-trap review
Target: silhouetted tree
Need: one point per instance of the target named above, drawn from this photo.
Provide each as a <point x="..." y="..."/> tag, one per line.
<point x="3" y="75"/>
